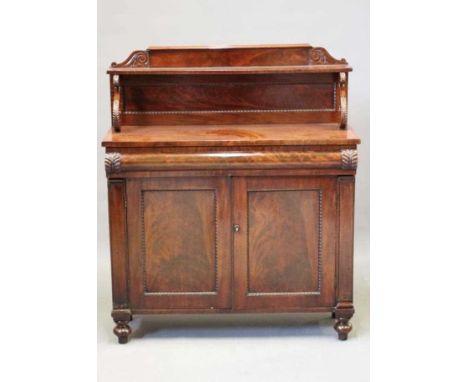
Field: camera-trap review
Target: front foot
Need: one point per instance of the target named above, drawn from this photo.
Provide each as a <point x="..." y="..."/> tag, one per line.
<point x="122" y="330"/>
<point x="343" y="313"/>
<point x="343" y="327"/>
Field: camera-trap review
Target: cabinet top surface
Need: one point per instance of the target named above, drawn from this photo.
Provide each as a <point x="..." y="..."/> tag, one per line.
<point x="231" y="135"/>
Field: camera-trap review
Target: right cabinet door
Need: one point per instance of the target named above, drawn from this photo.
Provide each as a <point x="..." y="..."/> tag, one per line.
<point x="284" y="243"/>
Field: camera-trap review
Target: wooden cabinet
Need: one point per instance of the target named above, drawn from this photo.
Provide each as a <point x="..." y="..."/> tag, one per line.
<point x="231" y="183"/>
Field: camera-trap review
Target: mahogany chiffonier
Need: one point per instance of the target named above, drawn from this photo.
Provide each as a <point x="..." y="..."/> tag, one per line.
<point x="231" y="183"/>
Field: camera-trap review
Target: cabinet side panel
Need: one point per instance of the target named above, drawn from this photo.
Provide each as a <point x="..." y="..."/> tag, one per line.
<point x="118" y="242"/>
<point x="346" y="239"/>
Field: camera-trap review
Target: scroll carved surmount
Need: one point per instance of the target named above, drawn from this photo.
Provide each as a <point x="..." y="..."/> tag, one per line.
<point x="116" y="105"/>
<point x="320" y="56"/>
<point x="137" y="59"/>
<point x="343" y="101"/>
<point x="112" y="163"/>
<point x="349" y="159"/>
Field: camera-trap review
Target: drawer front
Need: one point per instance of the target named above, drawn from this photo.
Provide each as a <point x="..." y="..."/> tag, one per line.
<point x="179" y="235"/>
<point x="284" y="242"/>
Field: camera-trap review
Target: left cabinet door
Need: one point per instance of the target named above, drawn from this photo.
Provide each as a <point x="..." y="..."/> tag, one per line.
<point x="179" y="237"/>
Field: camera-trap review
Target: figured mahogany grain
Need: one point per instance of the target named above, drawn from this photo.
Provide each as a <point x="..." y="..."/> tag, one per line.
<point x="180" y="240"/>
<point x="284" y="250"/>
<point x="231" y="135"/>
<point x="230" y="96"/>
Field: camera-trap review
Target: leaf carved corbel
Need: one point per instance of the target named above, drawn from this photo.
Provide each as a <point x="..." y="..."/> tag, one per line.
<point x="112" y="163"/>
<point x="343" y="101"/>
<point x="349" y="159"/>
<point x="116" y="109"/>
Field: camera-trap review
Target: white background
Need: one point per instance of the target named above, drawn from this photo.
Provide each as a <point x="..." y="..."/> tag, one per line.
<point x="418" y="194"/>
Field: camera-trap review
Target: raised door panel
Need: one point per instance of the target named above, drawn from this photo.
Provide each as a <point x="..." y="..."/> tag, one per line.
<point x="179" y="247"/>
<point x="284" y="249"/>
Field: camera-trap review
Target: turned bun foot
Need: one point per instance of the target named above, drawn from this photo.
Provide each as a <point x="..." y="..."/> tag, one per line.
<point x="122" y="330"/>
<point x="343" y="327"/>
<point x="343" y="313"/>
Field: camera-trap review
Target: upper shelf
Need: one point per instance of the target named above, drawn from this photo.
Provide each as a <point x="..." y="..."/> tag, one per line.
<point x="231" y="85"/>
<point x="268" y="59"/>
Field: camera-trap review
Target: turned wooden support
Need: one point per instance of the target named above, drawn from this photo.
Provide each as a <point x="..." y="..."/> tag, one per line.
<point x="343" y="313"/>
<point x="122" y="330"/>
<point x="116" y="104"/>
<point x="343" y="89"/>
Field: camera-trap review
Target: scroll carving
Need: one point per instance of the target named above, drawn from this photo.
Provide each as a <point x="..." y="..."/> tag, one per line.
<point x="137" y="59"/>
<point x="343" y="101"/>
<point x="320" y="56"/>
<point x="112" y="163"/>
<point x="116" y="109"/>
<point x="349" y="159"/>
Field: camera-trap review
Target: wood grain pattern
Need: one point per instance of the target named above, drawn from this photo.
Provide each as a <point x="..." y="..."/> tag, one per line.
<point x="118" y="242"/>
<point x="167" y="98"/>
<point x="345" y="239"/>
<point x="232" y="160"/>
<point x="179" y="230"/>
<point x="326" y="134"/>
<point x="284" y="252"/>
<point x="284" y="247"/>
<point x="180" y="241"/>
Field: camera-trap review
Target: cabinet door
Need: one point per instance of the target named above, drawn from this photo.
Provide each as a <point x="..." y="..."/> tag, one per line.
<point x="179" y="241"/>
<point x="284" y="251"/>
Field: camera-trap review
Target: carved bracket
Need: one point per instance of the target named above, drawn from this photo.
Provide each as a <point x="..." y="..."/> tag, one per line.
<point x="116" y="104"/>
<point x="112" y="163"/>
<point x="137" y="59"/>
<point x="343" y="101"/>
<point x="320" y="56"/>
<point x="349" y="159"/>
